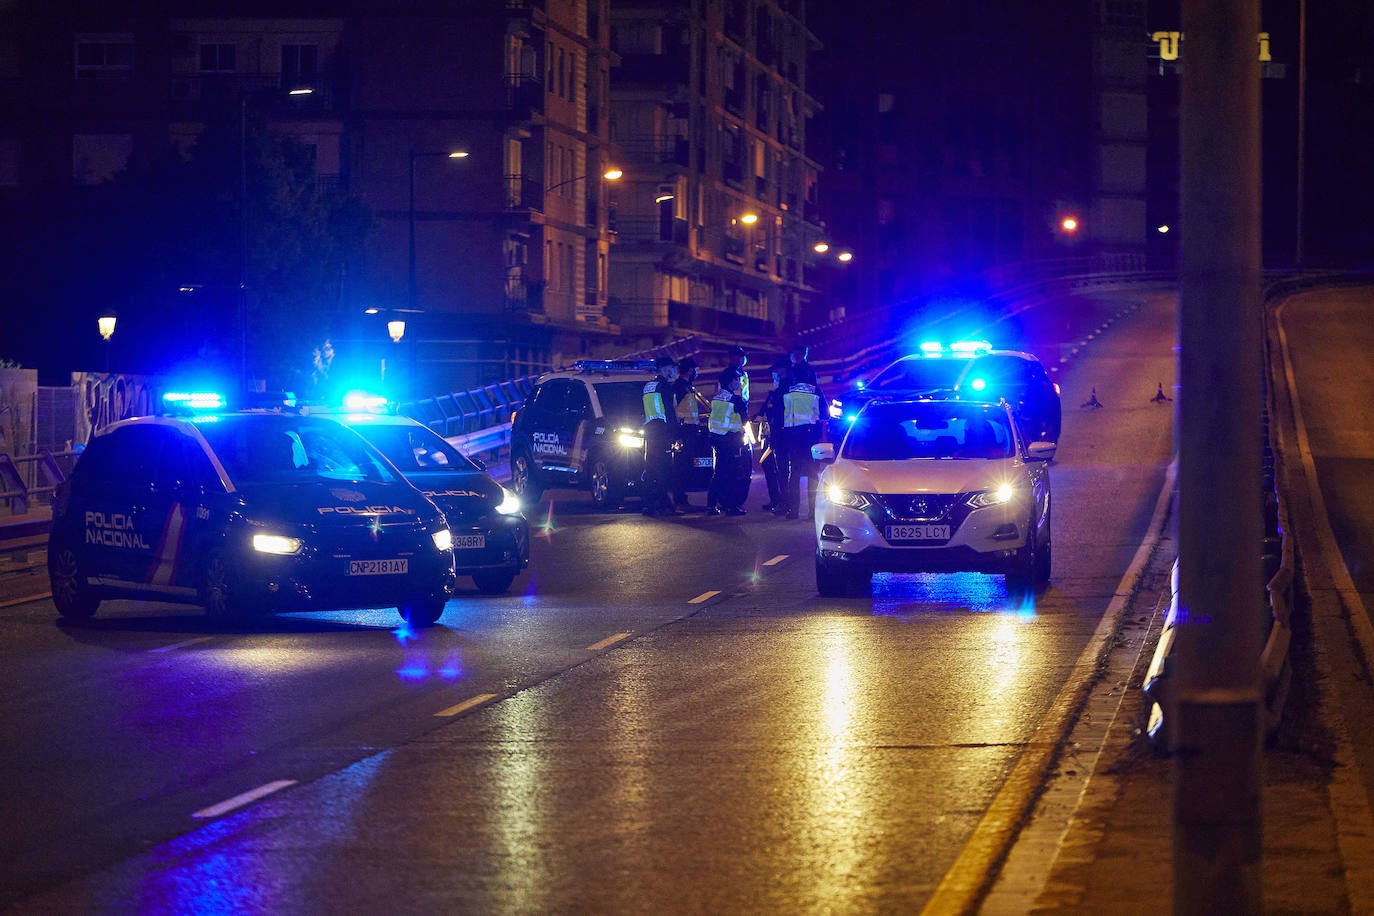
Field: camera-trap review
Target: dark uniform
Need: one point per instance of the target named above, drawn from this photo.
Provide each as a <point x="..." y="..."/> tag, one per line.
<point x="771" y="415"/>
<point x="734" y="461"/>
<point x="802" y="428"/>
<point x="687" y="404"/>
<point x="660" y="431"/>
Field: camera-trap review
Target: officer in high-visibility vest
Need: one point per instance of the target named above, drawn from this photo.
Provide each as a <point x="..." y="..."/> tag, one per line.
<point x="733" y="459"/>
<point x="739" y="358"/>
<point x="802" y="428"/>
<point x="660" y="429"/>
<point x="770" y="429"/>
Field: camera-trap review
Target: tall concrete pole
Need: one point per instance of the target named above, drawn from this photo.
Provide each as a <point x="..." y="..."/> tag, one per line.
<point x="1218" y="713"/>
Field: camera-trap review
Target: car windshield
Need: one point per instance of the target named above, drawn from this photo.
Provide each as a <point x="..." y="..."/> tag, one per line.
<point x="622" y="402"/>
<point x="919" y="373"/>
<point x="929" y="429"/>
<point x="415" y="449"/>
<point x="267" y="448"/>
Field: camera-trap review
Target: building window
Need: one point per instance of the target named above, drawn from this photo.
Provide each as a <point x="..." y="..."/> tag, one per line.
<point x="96" y="158"/>
<point x="218" y="58"/>
<point x="109" y="57"/>
<point x="299" y="65"/>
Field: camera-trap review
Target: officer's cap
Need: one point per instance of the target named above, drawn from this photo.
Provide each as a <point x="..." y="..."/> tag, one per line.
<point x="728" y="378"/>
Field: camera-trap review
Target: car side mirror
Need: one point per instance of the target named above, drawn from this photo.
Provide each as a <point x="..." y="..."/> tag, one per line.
<point x="1041" y="451"/>
<point x="823" y="452"/>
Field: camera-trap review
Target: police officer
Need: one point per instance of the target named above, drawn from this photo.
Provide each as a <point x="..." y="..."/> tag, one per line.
<point x="771" y="415"/>
<point x="738" y="359"/>
<point x="733" y="458"/>
<point x="802" y="428"/>
<point x="688" y="403"/>
<point x="660" y="429"/>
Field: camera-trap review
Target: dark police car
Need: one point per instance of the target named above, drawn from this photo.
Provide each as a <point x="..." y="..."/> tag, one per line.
<point x="245" y="512"/>
<point x="966" y="370"/>
<point x="491" y="538"/>
<point x="583" y="428"/>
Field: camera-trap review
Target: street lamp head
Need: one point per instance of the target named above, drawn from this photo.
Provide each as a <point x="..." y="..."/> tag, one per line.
<point x="301" y="90"/>
<point x="845" y="256"/>
<point x="612" y="174"/>
<point x="106" y="323"/>
<point x="458" y="154"/>
<point x="821" y="247"/>
<point x="397" y="329"/>
<point x="749" y="219"/>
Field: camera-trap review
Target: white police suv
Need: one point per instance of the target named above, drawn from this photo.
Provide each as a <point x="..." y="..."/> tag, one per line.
<point x="245" y="512"/>
<point x="933" y="486"/>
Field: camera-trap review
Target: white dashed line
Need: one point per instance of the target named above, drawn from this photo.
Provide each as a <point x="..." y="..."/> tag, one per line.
<point x="607" y="642"/>
<point x="246" y="798"/>
<point x="776" y="560"/>
<point x="182" y="644"/>
<point x="467" y="704"/>
<point x="704" y="596"/>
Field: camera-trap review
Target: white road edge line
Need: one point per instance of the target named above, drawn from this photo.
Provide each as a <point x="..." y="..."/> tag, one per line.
<point x="996" y="832"/>
<point x="776" y="560"/>
<point x="245" y="798"/>
<point x="467" y="704"/>
<point x="607" y="642"/>
<point x="704" y="596"/>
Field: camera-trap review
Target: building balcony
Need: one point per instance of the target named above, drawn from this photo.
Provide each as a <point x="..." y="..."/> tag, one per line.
<point x="523" y="193"/>
<point x="656" y="149"/>
<point x="652" y="229"/>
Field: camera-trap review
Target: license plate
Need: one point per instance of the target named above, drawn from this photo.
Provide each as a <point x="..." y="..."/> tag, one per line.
<point x="469" y="541"/>
<point x="918" y="532"/>
<point x="705" y="462"/>
<point x="378" y="567"/>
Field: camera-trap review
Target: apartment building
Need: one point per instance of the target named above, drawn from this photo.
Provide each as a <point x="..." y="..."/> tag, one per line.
<point x="715" y="218"/>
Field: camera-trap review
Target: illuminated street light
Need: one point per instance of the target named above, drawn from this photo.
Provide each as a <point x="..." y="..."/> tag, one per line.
<point x="396" y="328"/>
<point x="664" y="198"/>
<point x="845" y="256"/>
<point x="1163" y="230"/>
<point x="820" y="247"/>
<point x="611" y="174"/>
<point x="416" y="154"/>
<point x="106" y="324"/>
<point x="749" y="219"/>
<point x="1069" y="224"/>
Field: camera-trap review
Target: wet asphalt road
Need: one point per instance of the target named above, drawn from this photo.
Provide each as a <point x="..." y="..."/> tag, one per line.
<point x="662" y="715"/>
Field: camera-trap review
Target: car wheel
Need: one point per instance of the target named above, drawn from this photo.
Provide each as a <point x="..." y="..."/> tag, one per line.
<point x="840" y="583"/>
<point x="1020" y="571"/>
<point x="603" y="496"/>
<point x="495" y="582"/>
<point x="71" y="592"/>
<point x="220" y="591"/>
<point x="1043" y="559"/>
<point x="522" y="480"/>
<point x="422" y="612"/>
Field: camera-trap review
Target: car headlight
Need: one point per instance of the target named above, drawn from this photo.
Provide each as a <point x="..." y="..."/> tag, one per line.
<point x="629" y="438"/>
<point x="277" y="544"/>
<point x="849" y="498"/>
<point x="510" y="503"/>
<point x="836" y="410"/>
<point x="996" y="497"/>
<point x="443" y="539"/>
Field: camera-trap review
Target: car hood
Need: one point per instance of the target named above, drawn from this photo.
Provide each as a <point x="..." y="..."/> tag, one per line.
<point x="461" y="494"/>
<point x="345" y="503"/>
<point x="922" y="475"/>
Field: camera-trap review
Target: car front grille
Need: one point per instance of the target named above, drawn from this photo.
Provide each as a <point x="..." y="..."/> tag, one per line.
<point x="917" y="507"/>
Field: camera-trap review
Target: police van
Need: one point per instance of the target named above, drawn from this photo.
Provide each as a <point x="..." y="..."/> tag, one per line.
<point x="583" y="428"/>
<point x="245" y="512"/>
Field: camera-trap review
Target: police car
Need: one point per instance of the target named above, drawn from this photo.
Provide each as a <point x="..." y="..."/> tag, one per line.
<point x="245" y="512"/>
<point x="933" y="486"/>
<point x="583" y="428"/>
<point x="966" y="369"/>
<point x="491" y="538"/>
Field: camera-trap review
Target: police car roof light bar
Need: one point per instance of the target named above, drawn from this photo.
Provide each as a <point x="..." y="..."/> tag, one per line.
<point x="614" y="365"/>
<point x="194" y="400"/>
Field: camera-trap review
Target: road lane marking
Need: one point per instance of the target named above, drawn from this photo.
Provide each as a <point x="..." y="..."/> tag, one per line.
<point x="13" y="602"/>
<point x="704" y="596"/>
<point x="607" y="642"/>
<point x="182" y="644"/>
<point x="467" y="704"/>
<point x="245" y="798"/>
<point x="776" y="560"/>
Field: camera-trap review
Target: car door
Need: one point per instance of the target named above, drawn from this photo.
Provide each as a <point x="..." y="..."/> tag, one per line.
<point x="579" y="419"/>
<point x="120" y="510"/>
<point x="551" y="432"/>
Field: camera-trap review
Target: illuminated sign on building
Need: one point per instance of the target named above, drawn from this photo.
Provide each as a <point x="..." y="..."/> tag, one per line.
<point x="1169" y="41"/>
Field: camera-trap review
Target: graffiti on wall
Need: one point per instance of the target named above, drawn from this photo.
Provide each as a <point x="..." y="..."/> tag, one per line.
<point x="106" y="398"/>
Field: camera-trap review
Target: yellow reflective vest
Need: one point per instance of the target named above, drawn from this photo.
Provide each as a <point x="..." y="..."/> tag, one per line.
<point x="801" y="405"/>
<point x="724" y="417"/>
<point x="654" y="408"/>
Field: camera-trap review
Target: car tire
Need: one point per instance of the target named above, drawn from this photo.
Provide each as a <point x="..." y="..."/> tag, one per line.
<point x="493" y="582"/>
<point x="840" y="583"/>
<point x="604" y="496"/>
<point x="220" y="589"/>
<point x="72" y="593"/>
<point x="522" y="479"/>
<point x="423" y="612"/>
<point x="1043" y="556"/>
<point x="1021" y="568"/>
